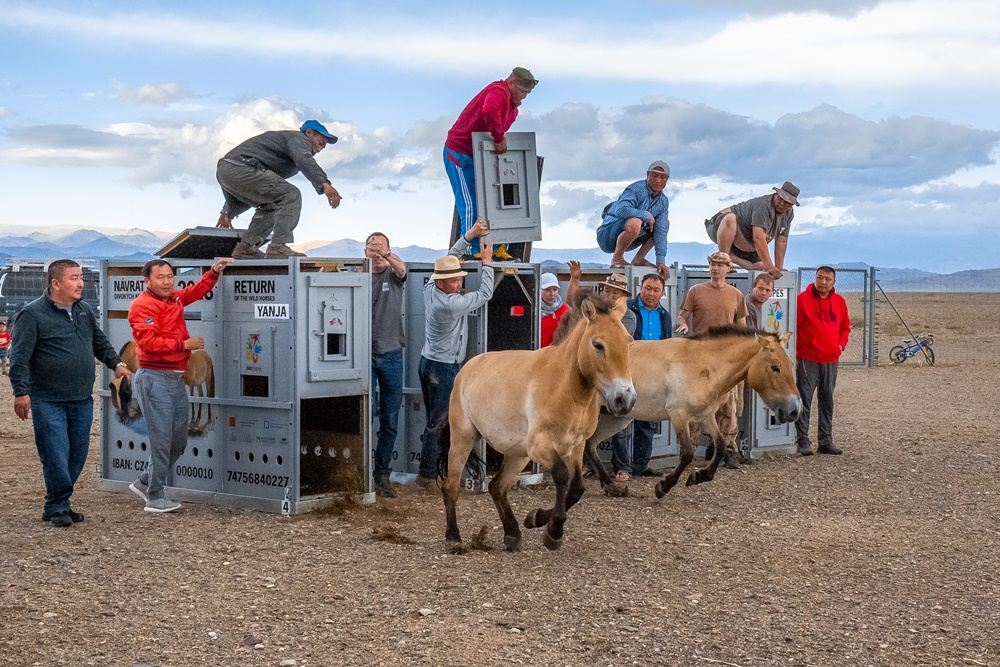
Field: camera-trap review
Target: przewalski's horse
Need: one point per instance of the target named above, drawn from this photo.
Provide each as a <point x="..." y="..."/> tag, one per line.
<point x="538" y="405"/>
<point x="685" y="380"/>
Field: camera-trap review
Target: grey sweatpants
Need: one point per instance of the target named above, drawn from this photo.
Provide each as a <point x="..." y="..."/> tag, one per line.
<point x="813" y="377"/>
<point x="163" y="398"/>
<point x="277" y="201"/>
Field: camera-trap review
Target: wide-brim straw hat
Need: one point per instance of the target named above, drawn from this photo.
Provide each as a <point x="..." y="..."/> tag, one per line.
<point x="448" y="267"/>
<point x="617" y="281"/>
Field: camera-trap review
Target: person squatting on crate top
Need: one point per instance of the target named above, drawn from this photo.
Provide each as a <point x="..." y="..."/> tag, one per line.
<point x="52" y="373"/>
<point x="253" y="175"/>
<point x="164" y="346"/>
<point x="638" y="219"/>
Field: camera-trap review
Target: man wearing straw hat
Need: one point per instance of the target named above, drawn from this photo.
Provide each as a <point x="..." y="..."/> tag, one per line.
<point x="446" y="310"/>
<point x="744" y="230"/>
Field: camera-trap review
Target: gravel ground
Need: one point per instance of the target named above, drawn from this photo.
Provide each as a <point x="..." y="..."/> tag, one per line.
<point x="884" y="556"/>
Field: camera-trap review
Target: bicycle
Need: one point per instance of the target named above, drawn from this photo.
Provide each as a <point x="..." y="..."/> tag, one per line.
<point x="919" y="345"/>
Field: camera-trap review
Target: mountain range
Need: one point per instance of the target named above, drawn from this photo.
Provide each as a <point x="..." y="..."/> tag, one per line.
<point x="23" y="242"/>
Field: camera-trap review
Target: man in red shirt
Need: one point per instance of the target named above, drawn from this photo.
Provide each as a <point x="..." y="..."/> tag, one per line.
<point x="163" y="346"/>
<point x="4" y="347"/>
<point x="822" y="332"/>
<point x="493" y="110"/>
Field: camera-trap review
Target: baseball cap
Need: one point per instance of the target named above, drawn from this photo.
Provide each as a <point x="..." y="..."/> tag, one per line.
<point x="659" y="165"/>
<point x="316" y="125"/>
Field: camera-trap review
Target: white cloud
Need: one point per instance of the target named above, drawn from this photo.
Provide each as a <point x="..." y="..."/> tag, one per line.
<point x="894" y="44"/>
<point x="161" y="95"/>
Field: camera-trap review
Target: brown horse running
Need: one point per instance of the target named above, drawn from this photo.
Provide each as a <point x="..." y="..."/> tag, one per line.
<point x="538" y="405"/>
<point x="685" y="380"/>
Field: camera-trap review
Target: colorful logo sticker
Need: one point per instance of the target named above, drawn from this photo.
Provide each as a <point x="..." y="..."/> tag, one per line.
<point x="253" y="348"/>
<point x="336" y="321"/>
<point x="774" y="316"/>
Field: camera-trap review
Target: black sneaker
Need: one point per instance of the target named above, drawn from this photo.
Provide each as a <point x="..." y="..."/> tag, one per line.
<point x="829" y="449"/>
<point x="648" y="472"/>
<point x="75" y="516"/>
<point x="731" y="461"/>
<point x="804" y="449"/>
<point x="61" y="520"/>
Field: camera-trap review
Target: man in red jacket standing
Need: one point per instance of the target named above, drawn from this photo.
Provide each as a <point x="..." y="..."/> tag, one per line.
<point x="163" y="346"/>
<point x="493" y="110"/>
<point x="823" y="329"/>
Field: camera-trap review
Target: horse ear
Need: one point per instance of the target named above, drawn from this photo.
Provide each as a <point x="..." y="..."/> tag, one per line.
<point x="785" y="337"/>
<point x="588" y="310"/>
<point x="761" y="340"/>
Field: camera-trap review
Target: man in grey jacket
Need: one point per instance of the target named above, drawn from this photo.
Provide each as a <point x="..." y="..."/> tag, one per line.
<point x="253" y="174"/>
<point x="447" y="314"/>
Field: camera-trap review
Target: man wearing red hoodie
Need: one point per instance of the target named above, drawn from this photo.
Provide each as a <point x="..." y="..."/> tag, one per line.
<point x="823" y="329"/>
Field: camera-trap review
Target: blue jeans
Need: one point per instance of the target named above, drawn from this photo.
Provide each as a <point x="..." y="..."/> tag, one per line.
<point x="62" y="437"/>
<point x="636" y="460"/>
<point x="163" y="398"/>
<point x="612" y="228"/>
<point x="462" y="175"/>
<point x="387" y="373"/>
<point x="436" y="382"/>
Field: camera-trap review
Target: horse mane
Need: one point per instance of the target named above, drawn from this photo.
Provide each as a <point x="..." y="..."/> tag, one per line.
<point x="573" y="316"/>
<point x="732" y="331"/>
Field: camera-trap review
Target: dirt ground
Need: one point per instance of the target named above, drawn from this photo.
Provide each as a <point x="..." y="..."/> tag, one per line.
<point x="887" y="555"/>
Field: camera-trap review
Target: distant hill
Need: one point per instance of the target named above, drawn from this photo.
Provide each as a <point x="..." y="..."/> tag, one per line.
<point x="21" y="241"/>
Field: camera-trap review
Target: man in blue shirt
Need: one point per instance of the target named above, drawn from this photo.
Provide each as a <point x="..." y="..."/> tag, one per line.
<point x="638" y="219"/>
<point x="652" y="322"/>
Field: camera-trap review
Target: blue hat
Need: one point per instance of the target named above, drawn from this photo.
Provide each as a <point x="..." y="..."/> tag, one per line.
<point x="316" y="125"/>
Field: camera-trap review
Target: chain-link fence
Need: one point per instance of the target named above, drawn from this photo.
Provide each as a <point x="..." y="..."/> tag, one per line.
<point x="855" y="286"/>
<point x="960" y="310"/>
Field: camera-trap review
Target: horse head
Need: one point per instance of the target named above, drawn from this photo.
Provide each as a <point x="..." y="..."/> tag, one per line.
<point x="603" y="355"/>
<point x="771" y="376"/>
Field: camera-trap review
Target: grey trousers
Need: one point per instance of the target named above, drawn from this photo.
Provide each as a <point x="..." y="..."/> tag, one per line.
<point x="163" y="398"/>
<point x="813" y="377"/>
<point x="277" y="201"/>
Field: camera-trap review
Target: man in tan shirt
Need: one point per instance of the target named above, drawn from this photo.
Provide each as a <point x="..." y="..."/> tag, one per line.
<point x="713" y="304"/>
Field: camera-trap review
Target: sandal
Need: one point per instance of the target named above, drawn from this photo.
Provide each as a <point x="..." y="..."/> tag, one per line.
<point x="618" y="264"/>
<point x="623" y="476"/>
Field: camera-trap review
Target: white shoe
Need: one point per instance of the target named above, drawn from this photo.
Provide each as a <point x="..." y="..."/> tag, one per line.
<point x="161" y="505"/>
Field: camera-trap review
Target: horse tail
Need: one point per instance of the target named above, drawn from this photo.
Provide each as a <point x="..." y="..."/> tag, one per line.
<point x="443" y="429"/>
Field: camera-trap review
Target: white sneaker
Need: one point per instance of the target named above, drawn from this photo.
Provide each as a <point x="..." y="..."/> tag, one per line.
<point x="161" y="505"/>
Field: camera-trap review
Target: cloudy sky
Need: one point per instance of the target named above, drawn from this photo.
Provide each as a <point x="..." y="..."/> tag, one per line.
<point x="883" y="113"/>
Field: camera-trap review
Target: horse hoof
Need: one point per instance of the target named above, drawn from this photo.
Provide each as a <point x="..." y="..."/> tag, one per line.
<point x="529" y="519"/>
<point x="658" y="490"/>
<point x="692" y="480"/>
<point x="550" y="543"/>
<point x="616" y="490"/>
<point x="456" y="547"/>
<point x="512" y="543"/>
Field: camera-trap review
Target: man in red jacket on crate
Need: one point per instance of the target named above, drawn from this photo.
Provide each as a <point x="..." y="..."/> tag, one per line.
<point x="823" y="329"/>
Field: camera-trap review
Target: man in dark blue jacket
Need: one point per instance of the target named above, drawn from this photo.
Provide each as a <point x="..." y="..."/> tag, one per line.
<point x="55" y="342"/>
<point x="652" y="322"/>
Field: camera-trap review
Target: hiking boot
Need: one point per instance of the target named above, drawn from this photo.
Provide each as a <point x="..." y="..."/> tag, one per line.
<point x="61" y="520"/>
<point x="829" y="449"/>
<point x="426" y="482"/>
<point x="281" y="251"/>
<point x="75" y="516"/>
<point x="649" y="472"/>
<point x="501" y="254"/>
<point x="244" y="250"/>
<point x="804" y="448"/>
<point x="383" y="488"/>
<point x="139" y="489"/>
<point x="161" y="505"/>
<point x="731" y="461"/>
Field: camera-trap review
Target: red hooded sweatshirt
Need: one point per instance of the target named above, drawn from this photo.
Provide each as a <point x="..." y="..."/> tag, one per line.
<point x="823" y="326"/>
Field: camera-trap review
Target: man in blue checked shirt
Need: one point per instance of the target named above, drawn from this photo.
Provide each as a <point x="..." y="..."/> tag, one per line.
<point x="638" y="219"/>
